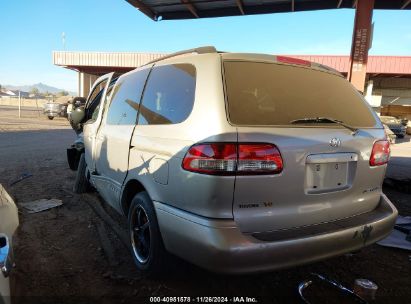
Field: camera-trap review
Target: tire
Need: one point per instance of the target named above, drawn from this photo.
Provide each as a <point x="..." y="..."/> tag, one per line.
<point x="147" y="246"/>
<point x="50" y="117"/>
<point x="81" y="184"/>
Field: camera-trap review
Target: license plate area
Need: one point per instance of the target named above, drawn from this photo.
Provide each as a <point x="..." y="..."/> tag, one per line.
<point x="329" y="173"/>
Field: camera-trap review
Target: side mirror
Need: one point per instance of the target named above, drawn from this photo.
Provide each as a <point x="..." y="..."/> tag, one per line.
<point x="78" y="102"/>
<point x="77" y="116"/>
<point x="5" y="255"/>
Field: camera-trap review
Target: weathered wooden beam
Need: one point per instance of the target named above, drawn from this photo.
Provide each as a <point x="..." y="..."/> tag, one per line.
<point x="190" y="7"/>
<point x="406" y="3"/>
<point x="240" y="6"/>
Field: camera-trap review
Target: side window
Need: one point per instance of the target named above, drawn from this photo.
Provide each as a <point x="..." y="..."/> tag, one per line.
<point x="109" y="95"/>
<point x="97" y="89"/>
<point x="94" y="101"/>
<point x="125" y="98"/>
<point x="169" y="95"/>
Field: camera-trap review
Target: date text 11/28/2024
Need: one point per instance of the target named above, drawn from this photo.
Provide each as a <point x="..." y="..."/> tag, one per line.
<point x="203" y="300"/>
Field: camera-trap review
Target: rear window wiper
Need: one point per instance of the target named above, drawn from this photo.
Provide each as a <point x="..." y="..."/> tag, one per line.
<point x="324" y="120"/>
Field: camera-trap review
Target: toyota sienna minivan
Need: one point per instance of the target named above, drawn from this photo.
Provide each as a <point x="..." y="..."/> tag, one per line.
<point x="235" y="162"/>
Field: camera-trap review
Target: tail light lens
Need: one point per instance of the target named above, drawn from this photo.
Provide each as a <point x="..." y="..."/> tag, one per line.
<point x="380" y="153"/>
<point x="259" y="159"/>
<point x="217" y="158"/>
<point x="232" y="159"/>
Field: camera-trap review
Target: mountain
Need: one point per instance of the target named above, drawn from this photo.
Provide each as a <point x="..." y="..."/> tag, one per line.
<point x="43" y="88"/>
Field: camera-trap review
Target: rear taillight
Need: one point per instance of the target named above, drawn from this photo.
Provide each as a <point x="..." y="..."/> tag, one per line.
<point x="233" y="159"/>
<point x="380" y="153"/>
<point x="216" y="158"/>
<point x="259" y="159"/>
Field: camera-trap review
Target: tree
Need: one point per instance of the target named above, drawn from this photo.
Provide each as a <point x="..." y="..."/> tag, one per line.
<point x="34" y="91"/>
<point x="62" y="93"/>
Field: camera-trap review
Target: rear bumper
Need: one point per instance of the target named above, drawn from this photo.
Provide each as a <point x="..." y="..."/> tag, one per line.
<point x="51" y="113"/>
<point x="218" y="245"/>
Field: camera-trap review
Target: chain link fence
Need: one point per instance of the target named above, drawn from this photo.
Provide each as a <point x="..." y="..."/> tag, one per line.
<point x="23" y="108"/>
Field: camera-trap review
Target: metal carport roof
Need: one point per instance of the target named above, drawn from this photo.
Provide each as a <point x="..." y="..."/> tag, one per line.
<point x="189" y="9"/>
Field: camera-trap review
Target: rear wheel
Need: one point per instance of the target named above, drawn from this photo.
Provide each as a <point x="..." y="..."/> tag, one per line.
<point x="50" y="117"/>
<point x="81" y="184"/>
<point x="146" y="243"/>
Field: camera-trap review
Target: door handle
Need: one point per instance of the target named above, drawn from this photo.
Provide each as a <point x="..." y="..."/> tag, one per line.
<point x="101" y="137"/>
<point x="6" y="263"/>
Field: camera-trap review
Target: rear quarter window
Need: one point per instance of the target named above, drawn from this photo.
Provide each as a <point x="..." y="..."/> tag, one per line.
<point x="169" y="95"/>
<point x="269" y="94"/>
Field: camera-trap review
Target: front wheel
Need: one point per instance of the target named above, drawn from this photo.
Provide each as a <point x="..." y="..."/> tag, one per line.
<point x="147" y="246"/>
<point x="81" y="184"/>
<point x="50" y="117"/>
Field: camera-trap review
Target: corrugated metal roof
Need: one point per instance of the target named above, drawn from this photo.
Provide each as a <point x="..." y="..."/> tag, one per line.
<point x="189" y="9"/>
<point x="375" y="65"/>
<point x="103" y="59"/>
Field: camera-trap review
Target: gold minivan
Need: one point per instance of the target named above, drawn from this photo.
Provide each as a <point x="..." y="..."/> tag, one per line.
<point x="236" y="162"/>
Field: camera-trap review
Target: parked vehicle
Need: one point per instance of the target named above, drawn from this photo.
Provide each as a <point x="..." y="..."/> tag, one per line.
<point x="402" y="112"/>
<point x="395" y="125"/>
<point x="8" y="224"/>
<point x="390" y="134"/>
<point x="76" y="108"/>
<point x="236" y="162"/>
<point x="69" y="109"/>
<point x="52" y="109"/>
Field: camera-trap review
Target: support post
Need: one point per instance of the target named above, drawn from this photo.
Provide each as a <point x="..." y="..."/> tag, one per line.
<point x="37" y="107"/>
<point x="360" y="43"/>
<point x="79" y="93"/>
<point x="19" y="104"/>
<point x="370" y="86"/>
<point x="81" y="84"/>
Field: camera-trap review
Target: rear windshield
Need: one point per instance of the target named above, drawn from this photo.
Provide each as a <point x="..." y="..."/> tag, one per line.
<point x="268" y="94"/>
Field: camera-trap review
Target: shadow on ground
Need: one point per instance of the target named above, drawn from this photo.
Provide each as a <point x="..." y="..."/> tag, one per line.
<point x="60" y="256"/>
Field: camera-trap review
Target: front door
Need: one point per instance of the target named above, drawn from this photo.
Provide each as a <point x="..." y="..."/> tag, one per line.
<point x="94" y="109"/>
<point x="114" y="136"/>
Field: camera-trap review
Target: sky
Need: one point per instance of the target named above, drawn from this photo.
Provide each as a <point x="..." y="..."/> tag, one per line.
<point x="31" y="30"/>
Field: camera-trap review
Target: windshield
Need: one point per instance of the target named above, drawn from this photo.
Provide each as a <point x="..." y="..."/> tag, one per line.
<point x="275" y="94"/>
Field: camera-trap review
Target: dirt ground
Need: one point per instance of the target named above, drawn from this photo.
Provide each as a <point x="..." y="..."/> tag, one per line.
<point x="63" y="258"/>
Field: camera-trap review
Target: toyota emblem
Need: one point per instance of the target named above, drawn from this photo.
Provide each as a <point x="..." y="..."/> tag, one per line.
<point x="335" y="142"/>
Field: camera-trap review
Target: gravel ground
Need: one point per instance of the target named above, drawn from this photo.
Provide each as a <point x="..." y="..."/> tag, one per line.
<point x="60" y="256"/>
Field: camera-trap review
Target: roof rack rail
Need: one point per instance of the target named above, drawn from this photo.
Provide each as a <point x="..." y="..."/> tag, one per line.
<point x="199" y="50"/>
